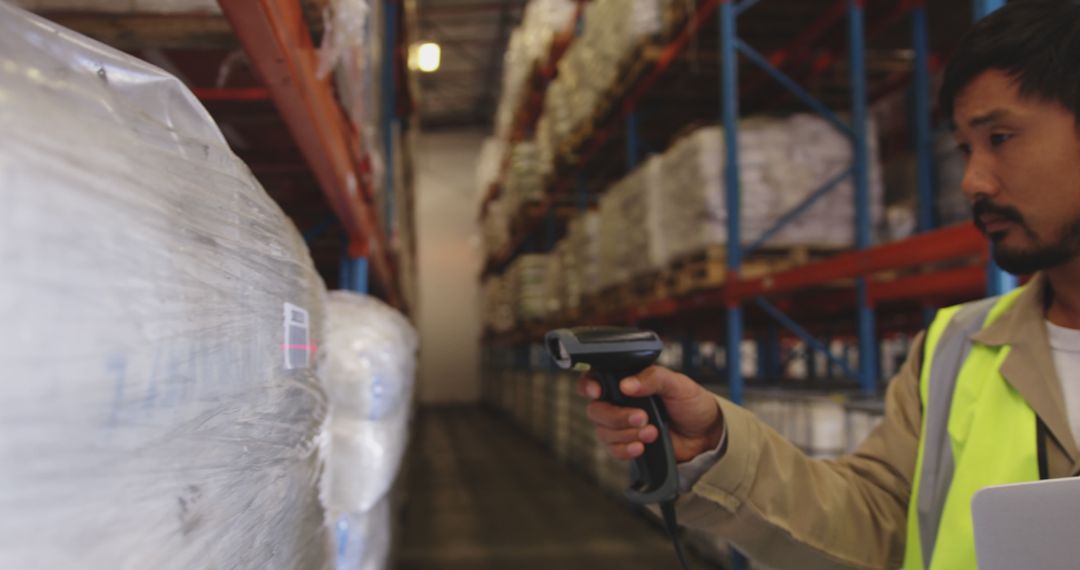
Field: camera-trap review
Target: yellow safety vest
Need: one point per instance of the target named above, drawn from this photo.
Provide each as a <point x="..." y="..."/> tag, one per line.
<point x="977" y="431"/>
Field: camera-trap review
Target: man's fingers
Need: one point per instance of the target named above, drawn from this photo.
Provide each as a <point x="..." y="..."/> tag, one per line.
<point x="611" y="436"/>
<point x="629" y="435"/>
<point x="616" y="417"/>
<point x="658" y="381"/>
<point x="588" y="388"/>
<point x="626" y="450"/>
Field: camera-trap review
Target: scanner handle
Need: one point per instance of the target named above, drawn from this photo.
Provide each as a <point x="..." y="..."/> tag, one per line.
<point x="655" y="478"/>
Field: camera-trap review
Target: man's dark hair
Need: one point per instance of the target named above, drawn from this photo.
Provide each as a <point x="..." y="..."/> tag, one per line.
<point x="1036" y="42"/>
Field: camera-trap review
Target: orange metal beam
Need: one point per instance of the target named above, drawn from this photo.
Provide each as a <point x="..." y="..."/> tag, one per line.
<point x="953" y="242"/>
<point x="278" y="43"/>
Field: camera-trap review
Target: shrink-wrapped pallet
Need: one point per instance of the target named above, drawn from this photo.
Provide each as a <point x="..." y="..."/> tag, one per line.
<point x="527" y="277"/>
<point x="583" y="237"/>
<point x="369" y="373"/>
<point x="499" y="311"/>
<point x="496" y="227"/>
<point x="529" y="46"/>
<point x="524" y="181"/>
<point x="555" y="282"/>
<point x="631" y="241"/>
<point x="781" y="163"/>
<point x="159" y="406"/>
<point x="613" y="32"/>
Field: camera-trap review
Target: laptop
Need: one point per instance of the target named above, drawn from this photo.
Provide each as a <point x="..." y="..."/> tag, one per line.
<point x="1028" y="525"/>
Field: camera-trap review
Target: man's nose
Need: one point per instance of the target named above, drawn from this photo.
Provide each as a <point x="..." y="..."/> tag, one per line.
<point x="978" y="180"/>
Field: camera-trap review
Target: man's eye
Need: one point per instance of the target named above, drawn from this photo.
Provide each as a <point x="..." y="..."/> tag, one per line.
<point x="964" y="149"/>
<point x="999" y="138"/>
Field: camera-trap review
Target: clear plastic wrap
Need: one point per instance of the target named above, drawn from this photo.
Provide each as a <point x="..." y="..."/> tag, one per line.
<point x="124" y="6"/>
<point x="528" y="47"/>
<point x="369" y="367"/>
<point x="159" y="406"/>
<point x="350" y="50"/>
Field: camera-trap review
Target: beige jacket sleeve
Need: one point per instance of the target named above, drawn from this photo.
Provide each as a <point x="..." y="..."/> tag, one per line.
<point x="785" y="510"/>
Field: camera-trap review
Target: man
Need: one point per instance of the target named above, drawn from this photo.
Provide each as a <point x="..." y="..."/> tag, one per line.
<point x="990" y="393"/>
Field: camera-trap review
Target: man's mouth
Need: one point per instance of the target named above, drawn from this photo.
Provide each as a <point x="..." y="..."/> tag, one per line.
<point x="992" y="224"/>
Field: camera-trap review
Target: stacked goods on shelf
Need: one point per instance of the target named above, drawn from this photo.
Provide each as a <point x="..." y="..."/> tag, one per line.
<point x="555" y="290"/>
<point x="527" y="282"/>
<point x="813" y="423"/>
<point x="160" y="407"/>
<point x="524" y="181"/>
<point x="952" y="205"/>
<point x="546" y="149"/>
<point x="614" y="30"/>
<point x="630" y="236"/>
<point x="583" y="247"/>
<point x="496" y="228"/>
<point x="540" y="414"/>
<point x="489" y="165"/>
<point x="498" y="304"/>
<point x="564" y="399"/>
<point x="352" y="53"/>
<point x="782" y="162"/>
<point x="571" y="277"/>
<point x="529" y="46"/>
<point x="368" y="373"/>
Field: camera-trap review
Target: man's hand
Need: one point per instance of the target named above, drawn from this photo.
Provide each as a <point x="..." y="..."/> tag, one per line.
<point x="696" y="423"/>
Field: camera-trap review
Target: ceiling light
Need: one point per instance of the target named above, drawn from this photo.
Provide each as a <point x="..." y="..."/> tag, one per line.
<point x="427" y="57"/>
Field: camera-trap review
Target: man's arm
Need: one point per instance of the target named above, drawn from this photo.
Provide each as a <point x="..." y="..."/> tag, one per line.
<point x="789" y="511"/>
<point x="775" y="503"/>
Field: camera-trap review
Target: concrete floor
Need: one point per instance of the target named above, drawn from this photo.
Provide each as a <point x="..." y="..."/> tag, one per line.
<point x="481" y="495"/>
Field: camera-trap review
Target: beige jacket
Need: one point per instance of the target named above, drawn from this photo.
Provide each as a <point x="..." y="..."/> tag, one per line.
<point x="789" y="511"/>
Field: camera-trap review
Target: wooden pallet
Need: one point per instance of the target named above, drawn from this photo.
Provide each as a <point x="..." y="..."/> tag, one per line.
<point x="707" y="268"/>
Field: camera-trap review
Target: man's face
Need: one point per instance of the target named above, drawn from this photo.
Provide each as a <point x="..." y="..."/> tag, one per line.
<point x="1022" y="173"/>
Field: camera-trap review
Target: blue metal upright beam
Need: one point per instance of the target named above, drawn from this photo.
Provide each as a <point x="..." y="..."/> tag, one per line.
<point x="344" y="275"/>
<point x="729" y="96"/>
<point x="924" y="154"/>
<point x="389" y="119"/>
<point x="353" y="273"/>
<point x="868" y="369"/>
<point x="984" y="7"/>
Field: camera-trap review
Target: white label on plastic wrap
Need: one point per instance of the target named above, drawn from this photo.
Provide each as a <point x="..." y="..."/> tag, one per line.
<point x="297" y="345"/>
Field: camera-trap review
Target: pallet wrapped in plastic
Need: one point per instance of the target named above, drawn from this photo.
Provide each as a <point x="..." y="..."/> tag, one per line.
<point x="528" y="47"/>
<point x="159" y="406"/>
<point x="630" y="236"/>
<point x="782" y="162"/>
<point x="555" y="282"/>
<point x="524" y="181"/>
<point x="613" y="31"/>
<point x="496" y="227"/>
<point x="583" y="237"/>
<point x="527" y="277"/>
<point x="202" y="7"/>
<point x="369" y="368"/>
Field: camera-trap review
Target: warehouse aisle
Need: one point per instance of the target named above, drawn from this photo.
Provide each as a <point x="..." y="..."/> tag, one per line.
<point x="482" y="495"/>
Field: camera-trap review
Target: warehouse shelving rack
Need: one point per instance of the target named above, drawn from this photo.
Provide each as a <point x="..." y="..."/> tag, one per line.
<point x="796" y="288"/>
<point x="277" y="41"/>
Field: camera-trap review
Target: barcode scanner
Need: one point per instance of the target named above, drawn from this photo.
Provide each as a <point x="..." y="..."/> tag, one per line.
<point x="611" y="354"/>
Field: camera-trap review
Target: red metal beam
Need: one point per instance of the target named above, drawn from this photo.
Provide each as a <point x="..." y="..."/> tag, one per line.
<point x="825" y="60"/>
<point x="954" y="242"/>
<point x="669" y="54"/>
<point x="797" y="48"/>
<point x="278" y="43"/>
<point x="213" y="94"/>
<point x="967" y="282"/>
